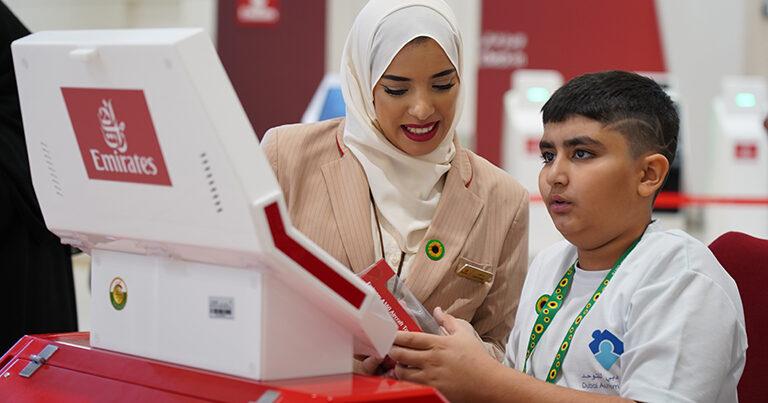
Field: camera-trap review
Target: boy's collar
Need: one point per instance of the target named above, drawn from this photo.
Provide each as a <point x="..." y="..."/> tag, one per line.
<point x="655" y="226"/>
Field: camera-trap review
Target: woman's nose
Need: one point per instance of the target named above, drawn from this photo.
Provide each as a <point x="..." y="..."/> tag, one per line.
<point x="422" y="107"/>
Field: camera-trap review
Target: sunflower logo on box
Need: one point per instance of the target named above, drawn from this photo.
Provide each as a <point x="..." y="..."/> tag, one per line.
<point x="118" y="293"/>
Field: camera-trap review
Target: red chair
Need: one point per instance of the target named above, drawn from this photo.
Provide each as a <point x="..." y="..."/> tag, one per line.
<point x="746" y="260"/>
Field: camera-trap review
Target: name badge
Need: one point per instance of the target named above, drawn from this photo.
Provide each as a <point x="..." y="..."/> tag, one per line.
<point x="473" y="271"/>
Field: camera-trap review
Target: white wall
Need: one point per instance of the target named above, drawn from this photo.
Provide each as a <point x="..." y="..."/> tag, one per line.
<point x="40" y="15"/>
<point x="705" y="40"/>
<point x="757" y="37"/>
<point x="341" y="14"/>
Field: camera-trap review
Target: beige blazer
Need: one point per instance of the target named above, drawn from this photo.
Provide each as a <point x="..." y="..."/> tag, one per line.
<point x="482" y="217"/>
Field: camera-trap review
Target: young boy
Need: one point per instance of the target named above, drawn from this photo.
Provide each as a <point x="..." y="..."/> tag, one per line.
<point x="622" y="310"/>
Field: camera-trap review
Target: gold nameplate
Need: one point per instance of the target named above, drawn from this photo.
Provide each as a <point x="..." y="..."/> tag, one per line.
<point x="473" y="271"/>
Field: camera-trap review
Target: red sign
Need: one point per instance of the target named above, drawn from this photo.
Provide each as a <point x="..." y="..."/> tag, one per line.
<point x="116" y="135"/>
<point x="745" y="151"/>
<point x="258" y="12"/>
<point x="377" y="276"/>
<point x="532" y="145"/>
<point x="572" y="37"/>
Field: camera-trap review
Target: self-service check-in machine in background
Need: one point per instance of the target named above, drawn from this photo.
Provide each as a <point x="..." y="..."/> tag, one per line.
<point x="739" y="163"/>
<point x="520" y="146"/>
<point x="142" y="155"/>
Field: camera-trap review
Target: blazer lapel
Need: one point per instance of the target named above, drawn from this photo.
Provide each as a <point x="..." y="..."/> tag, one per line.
<point x="348" y="190"/>
<point x="456" y="214"/>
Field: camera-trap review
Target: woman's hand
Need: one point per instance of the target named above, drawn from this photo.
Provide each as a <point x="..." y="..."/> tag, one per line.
<point x="365" y="365"/>
<point x="456" y="363"/>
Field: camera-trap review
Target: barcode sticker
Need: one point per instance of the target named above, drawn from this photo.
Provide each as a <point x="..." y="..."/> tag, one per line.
<point x="221" y="307"/>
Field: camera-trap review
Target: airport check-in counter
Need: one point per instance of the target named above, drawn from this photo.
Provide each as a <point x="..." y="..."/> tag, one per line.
<point x="739" y="160"/>
<point x="142" y="156"/>
<point x="520" y="146"/>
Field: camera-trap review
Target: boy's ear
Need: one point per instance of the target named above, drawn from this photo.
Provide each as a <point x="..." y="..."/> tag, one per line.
<point x="654" y="169"/>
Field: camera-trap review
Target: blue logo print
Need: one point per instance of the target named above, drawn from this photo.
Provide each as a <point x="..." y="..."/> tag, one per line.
<point x="606" y="347"/>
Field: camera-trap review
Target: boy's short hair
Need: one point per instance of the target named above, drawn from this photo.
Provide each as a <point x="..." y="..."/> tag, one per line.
<point x="629" y="103"/>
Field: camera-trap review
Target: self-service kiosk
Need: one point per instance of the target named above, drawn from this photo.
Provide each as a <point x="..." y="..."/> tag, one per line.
<point x="521" y="156"/>
<point x="142" y="156"/>
<point x="668" y="207"/>
<point x="739" y="160"/>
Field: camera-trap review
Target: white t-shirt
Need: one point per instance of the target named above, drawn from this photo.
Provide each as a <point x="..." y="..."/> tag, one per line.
<point x="668" y="327"/>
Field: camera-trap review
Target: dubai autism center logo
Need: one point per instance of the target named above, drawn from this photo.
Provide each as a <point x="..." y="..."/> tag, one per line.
<point x="606" y="347"/>
<point x="116" y="136"/>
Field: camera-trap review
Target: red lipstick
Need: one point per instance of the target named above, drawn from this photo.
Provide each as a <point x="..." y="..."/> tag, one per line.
<point x="420" y="133"/>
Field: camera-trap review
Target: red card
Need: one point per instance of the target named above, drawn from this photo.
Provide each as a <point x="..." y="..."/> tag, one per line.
<point x="377" y="276"/>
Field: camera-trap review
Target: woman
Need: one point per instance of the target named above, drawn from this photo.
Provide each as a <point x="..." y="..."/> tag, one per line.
<point x="391" y="180"/>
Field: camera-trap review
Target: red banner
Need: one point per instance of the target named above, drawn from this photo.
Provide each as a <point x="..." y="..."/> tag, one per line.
<point x="572" y="37"/>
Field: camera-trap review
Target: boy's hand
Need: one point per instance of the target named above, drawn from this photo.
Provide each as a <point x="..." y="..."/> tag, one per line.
<point x="454" y="364"/>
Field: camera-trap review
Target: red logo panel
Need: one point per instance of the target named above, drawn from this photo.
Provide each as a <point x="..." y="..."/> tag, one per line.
<point x="532" y="145"/>
<point x="116" y="135"/>
<point x="745" y="151"/>
<point x="258" y="12"/>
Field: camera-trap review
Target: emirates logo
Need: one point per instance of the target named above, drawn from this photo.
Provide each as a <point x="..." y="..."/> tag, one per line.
<point x="112" y="130"/>
<point x="103" y="121"/>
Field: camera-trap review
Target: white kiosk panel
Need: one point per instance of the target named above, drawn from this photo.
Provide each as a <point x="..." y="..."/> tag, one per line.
<point x="142" y="155"/>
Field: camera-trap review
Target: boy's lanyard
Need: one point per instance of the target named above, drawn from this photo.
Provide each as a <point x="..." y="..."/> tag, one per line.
<point x="552" y="306"/>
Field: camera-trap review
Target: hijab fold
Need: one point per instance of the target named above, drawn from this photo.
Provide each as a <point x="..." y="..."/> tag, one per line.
<point x="406" y="189"/>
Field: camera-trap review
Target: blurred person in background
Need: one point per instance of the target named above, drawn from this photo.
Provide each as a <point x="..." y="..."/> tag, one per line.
<point x="37" y="291"/>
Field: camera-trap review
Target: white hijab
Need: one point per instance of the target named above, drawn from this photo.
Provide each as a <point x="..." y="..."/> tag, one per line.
<point x="406" y="189"/>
